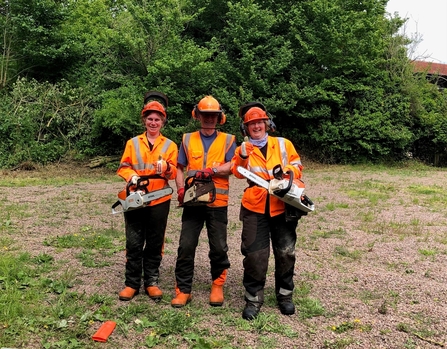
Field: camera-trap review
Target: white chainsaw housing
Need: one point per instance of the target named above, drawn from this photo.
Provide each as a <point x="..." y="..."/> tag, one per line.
<point x="138" y="199"/>
<point x="294" y="196"/>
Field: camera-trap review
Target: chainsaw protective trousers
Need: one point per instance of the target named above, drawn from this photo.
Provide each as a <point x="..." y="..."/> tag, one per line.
<point x="145" y="233"/>
<point x="193" y="219"/>
<point x="257" y="231"/>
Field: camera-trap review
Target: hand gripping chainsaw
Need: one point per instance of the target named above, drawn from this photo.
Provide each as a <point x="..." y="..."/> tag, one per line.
<point x="140" y="196"/>
<point x="199" y="190"/>
<point x="290" y="190"/>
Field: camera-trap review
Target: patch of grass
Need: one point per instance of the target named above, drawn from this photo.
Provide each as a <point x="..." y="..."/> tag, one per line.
<point x="428" y="252"/>
<point x="351" y="325"/>
<point x="401" y="229"/>
<point x="345" y="252"/>
<point x="339" y="232"/>
<point x="86" y="238"/>
<point x="371" y="190"/>
<point x="339" y="343"/>
<point x="332" y="206"/>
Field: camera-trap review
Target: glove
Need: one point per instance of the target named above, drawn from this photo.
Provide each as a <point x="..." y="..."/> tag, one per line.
<point x="134" y="180"/>
<point x="208" y="171"/>
<point x="181" y="195"/>
<point x="246" y="148"/>
<point x="161" y="166"/>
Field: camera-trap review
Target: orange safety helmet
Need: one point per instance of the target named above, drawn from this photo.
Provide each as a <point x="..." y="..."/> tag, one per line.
<point x="209" y="104"/>
<point x="255" y="113"/>
<point x="153" y="106"/>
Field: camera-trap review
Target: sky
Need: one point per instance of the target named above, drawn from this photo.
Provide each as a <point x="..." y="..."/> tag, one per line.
<point x="427" y="20"/>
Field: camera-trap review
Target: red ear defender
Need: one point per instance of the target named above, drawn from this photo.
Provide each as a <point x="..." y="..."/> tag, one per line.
<point x="222" y="119"/>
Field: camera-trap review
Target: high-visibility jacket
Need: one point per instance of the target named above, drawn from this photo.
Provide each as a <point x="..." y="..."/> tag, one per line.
<point x="279" y="151"/>
<point x="139" y="160"/>
<point x="199" y="160"/>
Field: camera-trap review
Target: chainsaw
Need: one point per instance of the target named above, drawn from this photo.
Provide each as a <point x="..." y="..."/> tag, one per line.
<point x="290" y="190"/>
<point x="199" y="190"/>
<point x="140" y="197"/>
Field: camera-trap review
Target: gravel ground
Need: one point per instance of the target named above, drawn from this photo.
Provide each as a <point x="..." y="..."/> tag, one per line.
<point x="373" y="252"/>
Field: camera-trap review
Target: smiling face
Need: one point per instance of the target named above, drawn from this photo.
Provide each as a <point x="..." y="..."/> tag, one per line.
<point x="153" y="123"/>
<point x="257" y="129"/>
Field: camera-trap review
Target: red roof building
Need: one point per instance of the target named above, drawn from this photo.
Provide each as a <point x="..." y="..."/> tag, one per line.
<point x="437" y="72"/>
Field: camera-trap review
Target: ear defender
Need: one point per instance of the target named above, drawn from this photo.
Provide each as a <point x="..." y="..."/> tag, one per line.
<point x="243" y="129"/>
<point x="194" y="113"/>
<point x="222" y="117"/>
<point x="209" y="104"/>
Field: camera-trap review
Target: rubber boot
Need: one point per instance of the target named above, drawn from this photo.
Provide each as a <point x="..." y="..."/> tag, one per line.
<point x="127" y="294"/>
<point x="180" y="299"/>
<point x="154" y="293"/>
<point x="217" y="295"/>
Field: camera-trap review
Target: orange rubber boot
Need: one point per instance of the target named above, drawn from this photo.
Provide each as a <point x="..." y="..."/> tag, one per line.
<point x="154" y="293"/>
<point x="216" y="295"/>
<point x="181" y="299"/>
<point x="127" y="294"/>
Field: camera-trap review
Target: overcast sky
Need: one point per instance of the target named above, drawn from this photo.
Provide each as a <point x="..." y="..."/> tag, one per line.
<point x="427" y="20"/>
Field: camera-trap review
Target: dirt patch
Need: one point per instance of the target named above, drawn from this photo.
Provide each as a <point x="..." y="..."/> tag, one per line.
<point x="373" y="254"/>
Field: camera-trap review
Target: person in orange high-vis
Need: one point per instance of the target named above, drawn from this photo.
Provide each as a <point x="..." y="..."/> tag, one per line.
<point x="205" y="152"/>
<point x="263" y="216"/>
<point x="149" y="154"/>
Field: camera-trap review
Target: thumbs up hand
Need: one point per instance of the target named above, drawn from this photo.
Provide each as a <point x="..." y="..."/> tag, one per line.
<point x="246" y="148"/>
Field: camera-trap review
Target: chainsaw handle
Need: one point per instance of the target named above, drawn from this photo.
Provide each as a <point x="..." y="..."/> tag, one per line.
<point x="282" y="192"/>
<point x="142" y="184"/>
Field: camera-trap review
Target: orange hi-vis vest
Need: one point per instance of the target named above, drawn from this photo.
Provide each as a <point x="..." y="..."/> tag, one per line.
<point x="199" y="160"/>
<point x="139" y="160"/>
<point x="279" y="151"/>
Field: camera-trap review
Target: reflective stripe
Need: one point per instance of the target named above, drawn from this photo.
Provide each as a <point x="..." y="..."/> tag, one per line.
<point x="252" y="298"/>
<point x="140" y="165"/>
<point x="228" y="142"/>
<point x="282" y="147"/>
<point x="166" y="146"/>
<point x="297" y="164"/>
<point x="124" y="164"/>
<point x="222" y="191"/>
<point x="284" y="292"/>
<point x="186" y="142"/>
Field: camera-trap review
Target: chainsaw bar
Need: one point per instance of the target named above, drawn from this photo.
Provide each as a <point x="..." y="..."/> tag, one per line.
<point x="254" y="178"/>
<point x="286" y="190"/>
<point x="136" y="200"/>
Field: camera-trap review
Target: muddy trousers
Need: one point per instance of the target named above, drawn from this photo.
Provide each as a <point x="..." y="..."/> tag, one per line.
<point x="257" y="231"/>
<point x="193" y="219"/>
<point x="145" y="234"/>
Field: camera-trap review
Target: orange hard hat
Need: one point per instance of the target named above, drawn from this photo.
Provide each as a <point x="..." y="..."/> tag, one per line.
<point x="154" y="106"/>
<point x="209" y="104"/>
<point x="255" y="113"/>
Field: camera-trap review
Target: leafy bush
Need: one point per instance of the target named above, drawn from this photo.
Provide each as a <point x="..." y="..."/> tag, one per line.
<point x="41" y="122"/>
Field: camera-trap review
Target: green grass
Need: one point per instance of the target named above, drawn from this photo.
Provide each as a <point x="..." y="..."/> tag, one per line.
<point x="44" y="305"/>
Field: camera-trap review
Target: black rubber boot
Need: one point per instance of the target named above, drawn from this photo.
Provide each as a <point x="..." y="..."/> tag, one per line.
<point x="286" y="305"/>
<point x="251" y="310"/>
